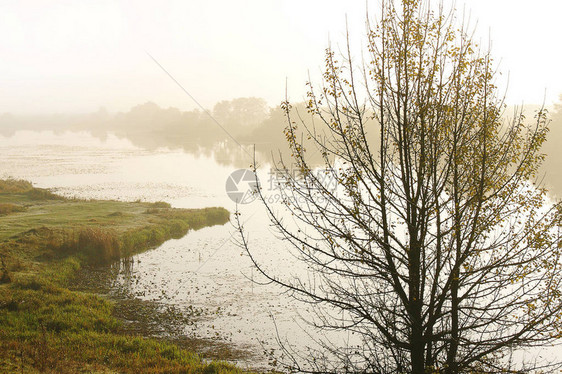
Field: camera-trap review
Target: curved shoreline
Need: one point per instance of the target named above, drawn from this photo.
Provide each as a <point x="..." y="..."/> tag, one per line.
<point x="153" y="319"/>
<point x="44" y="242"/>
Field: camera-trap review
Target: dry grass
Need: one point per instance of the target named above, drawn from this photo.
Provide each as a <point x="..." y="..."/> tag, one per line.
<point x="7" y="208"/>
<point x="15" y="186"/>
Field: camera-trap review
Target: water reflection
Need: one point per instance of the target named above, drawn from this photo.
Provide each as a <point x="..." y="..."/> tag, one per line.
<point x="184" y="158"/>
<point x="228" y="134"/>
<point x="203" y="274"/>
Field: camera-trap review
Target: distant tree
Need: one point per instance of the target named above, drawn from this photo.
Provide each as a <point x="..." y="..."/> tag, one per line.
<point x="269" y="139"/>
<point x="552" y="168"/>
<point x="241" y="112"/>
<point x="436" y="248"/>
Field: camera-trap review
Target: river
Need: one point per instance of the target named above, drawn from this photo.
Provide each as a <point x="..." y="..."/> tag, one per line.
<point x="205" y="270"/>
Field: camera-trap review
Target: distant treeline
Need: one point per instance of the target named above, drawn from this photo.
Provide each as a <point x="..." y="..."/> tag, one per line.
<point x="230" y="130"/>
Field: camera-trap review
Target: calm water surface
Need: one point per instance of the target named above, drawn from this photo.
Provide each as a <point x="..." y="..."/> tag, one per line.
<point x="205" y="269"/>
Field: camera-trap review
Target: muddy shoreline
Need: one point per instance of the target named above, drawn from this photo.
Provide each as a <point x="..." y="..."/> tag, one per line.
<point x="155" y="319"/>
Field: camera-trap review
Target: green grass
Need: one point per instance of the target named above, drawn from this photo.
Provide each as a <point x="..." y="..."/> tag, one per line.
<point x="44" y="240"/>
<point x="7" y="208"/>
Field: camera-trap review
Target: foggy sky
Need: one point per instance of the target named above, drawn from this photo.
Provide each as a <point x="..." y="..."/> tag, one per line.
<point x="68" y="56"/>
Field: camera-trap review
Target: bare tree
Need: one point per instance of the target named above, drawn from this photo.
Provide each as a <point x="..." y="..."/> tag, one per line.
<point x="436" y="248"/>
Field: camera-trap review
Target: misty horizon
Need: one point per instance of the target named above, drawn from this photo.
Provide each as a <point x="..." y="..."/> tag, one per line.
<point x="76" y="58"/>
<point x="280" y="186"/>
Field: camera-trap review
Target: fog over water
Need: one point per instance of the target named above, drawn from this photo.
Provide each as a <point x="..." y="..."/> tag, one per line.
<point x="204" y="270"/>
<point x="86" y="111"/>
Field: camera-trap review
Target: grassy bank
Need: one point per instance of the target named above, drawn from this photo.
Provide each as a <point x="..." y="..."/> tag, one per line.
<point x="44" y="240"/>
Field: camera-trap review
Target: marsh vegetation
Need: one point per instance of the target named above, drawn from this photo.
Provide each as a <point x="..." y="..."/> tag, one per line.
<point x="44" y="240"/>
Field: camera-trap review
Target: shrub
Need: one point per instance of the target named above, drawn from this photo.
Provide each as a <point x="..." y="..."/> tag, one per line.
<point x="7" y="208"/>
<point x="178" y="228"/>
<point x="15" y="186"/>
<point x="42" y="194"/>
<point x="100" y="246"/>
<point x="57" y="241"/>
<point x="160" y="204"/>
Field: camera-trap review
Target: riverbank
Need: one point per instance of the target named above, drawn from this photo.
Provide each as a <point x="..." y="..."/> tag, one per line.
<point x="44" y="240"/>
